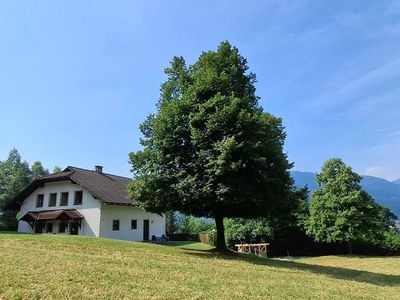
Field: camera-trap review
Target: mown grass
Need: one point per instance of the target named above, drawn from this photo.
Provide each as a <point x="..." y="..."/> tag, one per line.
<point x="58" y="267"/>
<point x="190" y="245"/>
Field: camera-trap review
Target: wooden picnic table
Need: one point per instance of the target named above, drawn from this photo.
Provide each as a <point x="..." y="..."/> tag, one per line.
<point x="252" y="248"/>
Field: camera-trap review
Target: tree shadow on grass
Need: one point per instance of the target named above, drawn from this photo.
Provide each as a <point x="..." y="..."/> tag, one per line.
<point x="334" y="272"/>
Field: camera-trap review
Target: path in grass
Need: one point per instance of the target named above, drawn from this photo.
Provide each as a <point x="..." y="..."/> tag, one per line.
<point x="55" y="266"/>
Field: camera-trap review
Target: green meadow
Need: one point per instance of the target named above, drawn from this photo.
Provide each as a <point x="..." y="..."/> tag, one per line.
<point x="56" y="266"/>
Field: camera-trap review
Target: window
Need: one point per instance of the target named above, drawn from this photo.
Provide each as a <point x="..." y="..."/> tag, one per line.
<point x="115" y="225"/>
<point x="64" y="199"/>
<point x="61" y="227"/>
<point x="78" y="198"/>
<point x="53" y="199"/>
<point x="39" y="200"/>
<point x="133" y="224"/>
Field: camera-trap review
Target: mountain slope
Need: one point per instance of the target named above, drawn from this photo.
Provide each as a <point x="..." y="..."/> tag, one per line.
<point x="397" y="181"/>
<point x="384" y="192"/>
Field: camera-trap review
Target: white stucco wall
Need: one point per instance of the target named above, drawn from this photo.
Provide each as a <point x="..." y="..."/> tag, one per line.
<point x="125" y="214"/>
<point x="90" y="207"/>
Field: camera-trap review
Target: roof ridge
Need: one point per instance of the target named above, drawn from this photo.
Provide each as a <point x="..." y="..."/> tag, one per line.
<point x="93" y="171"/>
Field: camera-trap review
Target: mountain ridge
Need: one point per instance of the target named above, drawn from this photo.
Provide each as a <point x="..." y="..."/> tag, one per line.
<point x="384" y="192"/>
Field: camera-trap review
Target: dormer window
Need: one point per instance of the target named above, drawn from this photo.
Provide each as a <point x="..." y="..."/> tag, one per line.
<point x="39" y="200"/>
<point x="78" y="198"/>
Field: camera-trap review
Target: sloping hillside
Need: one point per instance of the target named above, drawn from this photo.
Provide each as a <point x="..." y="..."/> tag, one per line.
<point x="60" y="267"/>
<point x="384" y="192"/>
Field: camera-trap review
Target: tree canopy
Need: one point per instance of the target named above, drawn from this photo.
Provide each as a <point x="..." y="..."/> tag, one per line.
<point x="210" y="150"/>
<point x="15" y="175"/>
<point x="38" y="170"/>
<point x="56" y="169"/>
<point x="341" y="211"/>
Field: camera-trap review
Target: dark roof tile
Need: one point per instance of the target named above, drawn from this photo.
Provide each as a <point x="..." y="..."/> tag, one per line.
<point x="108" y="188"/>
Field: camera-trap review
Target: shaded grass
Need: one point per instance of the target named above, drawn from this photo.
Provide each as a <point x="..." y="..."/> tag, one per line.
<point x="55" y="266"/>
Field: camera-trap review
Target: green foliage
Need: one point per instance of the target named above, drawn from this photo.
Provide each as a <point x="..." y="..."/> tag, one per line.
<point x="266" y="229"/>
<point x="56" y="169"/>
<point x="171" y="222"/>
<point x="390" y="241"/>
<point x="341" y="211"/>
<point x="37" y="170"/>
<point x="209" y="237"/>
<point x="192" y="225"/>
<point x="210" y="150"/>
<point x="15" y="175"/>
<point x="248" y="230"/>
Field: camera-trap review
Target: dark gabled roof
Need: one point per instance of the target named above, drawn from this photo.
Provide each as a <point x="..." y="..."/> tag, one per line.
<point x="108" y="188"/>
<point x="60" y="214"/>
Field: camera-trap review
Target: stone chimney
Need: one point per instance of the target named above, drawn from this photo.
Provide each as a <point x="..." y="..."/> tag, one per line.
<point x="98" y="169"/>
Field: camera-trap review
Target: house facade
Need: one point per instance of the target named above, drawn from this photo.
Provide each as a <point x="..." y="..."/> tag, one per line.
<point x="85" y="202"/>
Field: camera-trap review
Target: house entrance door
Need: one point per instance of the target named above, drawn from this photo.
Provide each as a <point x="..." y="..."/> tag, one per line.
<point x="146" y="230"/>
<point x="39" y="227"/>
<point x="74" y="228"/>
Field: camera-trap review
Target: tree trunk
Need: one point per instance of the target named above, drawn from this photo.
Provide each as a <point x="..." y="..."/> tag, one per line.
<point x="350" y="247"/>
<point x="219" y="223"/>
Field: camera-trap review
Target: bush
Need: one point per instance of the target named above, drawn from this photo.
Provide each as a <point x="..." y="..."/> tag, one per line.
<point x="247" y="231"/>
<point x="208" y="237"/>
<point x="391" y="243"/>
<point x="181" y="237"/>
<point x="192" y="225"/>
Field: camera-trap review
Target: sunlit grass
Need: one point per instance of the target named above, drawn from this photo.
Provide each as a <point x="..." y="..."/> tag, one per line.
<point x="189" y="245"/>
<point x="57" y="267"/>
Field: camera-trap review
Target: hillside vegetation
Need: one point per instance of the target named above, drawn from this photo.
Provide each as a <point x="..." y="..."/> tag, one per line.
<point x="384" y="192"/>
<point x="55" y="266"/>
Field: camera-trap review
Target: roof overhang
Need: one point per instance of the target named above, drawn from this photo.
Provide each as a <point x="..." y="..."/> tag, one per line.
<point x="43" y="215"/>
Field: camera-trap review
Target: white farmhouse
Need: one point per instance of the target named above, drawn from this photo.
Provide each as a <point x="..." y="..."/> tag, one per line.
<point x="84" y="202"/>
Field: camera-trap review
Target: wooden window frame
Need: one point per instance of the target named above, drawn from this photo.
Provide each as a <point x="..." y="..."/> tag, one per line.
<point x="81" y="202"/>
<point x="117" y="223"/>
<point x="61" y="198"/>
<point x="55" y="200"/>
<point x="37" y="200"/>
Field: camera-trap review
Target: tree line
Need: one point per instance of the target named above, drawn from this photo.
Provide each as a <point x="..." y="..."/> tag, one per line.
<point x="15" y="175"/>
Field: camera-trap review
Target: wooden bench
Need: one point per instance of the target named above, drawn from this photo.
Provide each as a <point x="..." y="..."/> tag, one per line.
<point x="253" y="248"/>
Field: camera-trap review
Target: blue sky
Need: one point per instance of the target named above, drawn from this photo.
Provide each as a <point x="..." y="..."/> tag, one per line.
<point x="78" y="77"/>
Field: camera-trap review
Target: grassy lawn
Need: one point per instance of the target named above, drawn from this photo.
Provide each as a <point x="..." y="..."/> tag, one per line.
<point x="190" y="246"/>
<point x="55" y="266"/>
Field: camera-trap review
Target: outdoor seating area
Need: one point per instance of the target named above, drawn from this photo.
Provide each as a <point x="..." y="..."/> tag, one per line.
<point x="260" y="248"/>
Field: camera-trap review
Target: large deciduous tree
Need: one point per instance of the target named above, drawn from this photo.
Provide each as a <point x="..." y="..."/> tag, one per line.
<point x="211" y="150"/>
<point x="38" y="170"/>
<point x="341" y="211"/>
<point x="15" y="175"/>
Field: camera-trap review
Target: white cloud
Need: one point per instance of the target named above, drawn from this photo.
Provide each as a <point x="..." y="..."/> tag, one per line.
<point x="357" y="81"/>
